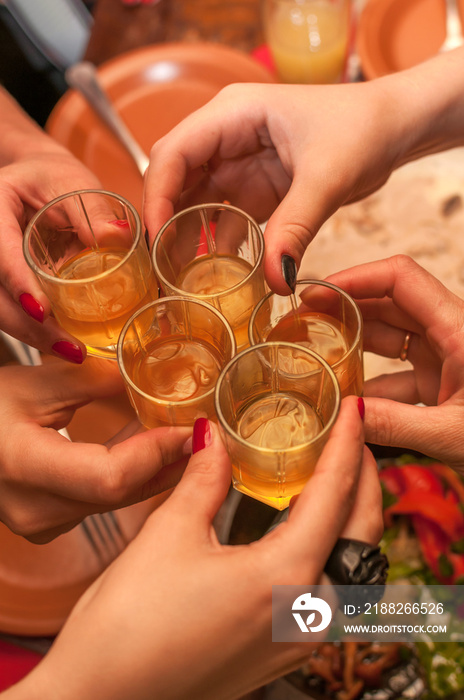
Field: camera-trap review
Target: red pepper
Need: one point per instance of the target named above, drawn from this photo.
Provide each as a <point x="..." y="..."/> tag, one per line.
<point x="447" y="516"/>
<point x="392" y="479"/>
<point x="432" y="496"/>
<point x="447" y="566"/>
<point x="450" y="477"/>
<point x="421" y="478"/>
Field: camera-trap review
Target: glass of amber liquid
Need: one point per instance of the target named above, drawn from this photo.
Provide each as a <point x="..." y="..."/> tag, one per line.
<point x="91" y="259"/>
<point x="321" y="317"/>
<point x="276" y="404"/>
<point x="170" y="354"/>
<point x="213" y="252"/>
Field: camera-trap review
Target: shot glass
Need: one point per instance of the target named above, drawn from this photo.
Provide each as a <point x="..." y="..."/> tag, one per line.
<point x="321" y="317"/>
<point x="170" y="354"/>
<point x="213" y="252"/>
<point x="91" y="259"/>
<point x="308" y="39"/>
<point x="276" y="404"/>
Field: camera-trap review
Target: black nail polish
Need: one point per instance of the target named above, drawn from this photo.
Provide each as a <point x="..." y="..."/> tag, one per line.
<point x="289" y="271"/>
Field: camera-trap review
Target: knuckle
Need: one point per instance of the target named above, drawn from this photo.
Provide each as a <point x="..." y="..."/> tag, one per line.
<point x="111" y="483"/>
<point x="24" y="523"/>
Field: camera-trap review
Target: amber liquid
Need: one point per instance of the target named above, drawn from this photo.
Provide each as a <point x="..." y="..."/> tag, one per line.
<point x="327" y="337"/>
<point x="214" y="275"/>
<point x="95" y="312"/>
<point x="276" y="422"/>
<point x="175" y="369"/>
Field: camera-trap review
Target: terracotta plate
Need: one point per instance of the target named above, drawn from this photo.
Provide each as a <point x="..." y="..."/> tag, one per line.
<point x="398" y="34"/>
<point x="39" y="584"/>
<point x="153" y="89"/>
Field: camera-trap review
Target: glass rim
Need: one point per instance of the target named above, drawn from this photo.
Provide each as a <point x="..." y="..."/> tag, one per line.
<point x="196" y="207"/>
<point x="119" y="350"/>
<point x="84" y="280"/>
<point x="321" y="283"/>
<point x="268" y="450"/>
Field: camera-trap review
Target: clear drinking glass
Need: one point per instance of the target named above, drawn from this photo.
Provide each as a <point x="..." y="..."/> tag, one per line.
<point x="321" y="317"/>
<point x="308" y="39"/>
<point x="276" y="404"/>
<point x="170" y="354"/>
<point x="89" y="254"/>
<point x="213" y="252"/>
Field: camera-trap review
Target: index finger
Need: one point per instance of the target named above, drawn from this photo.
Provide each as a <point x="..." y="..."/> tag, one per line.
<point x="412" y="289"/>
<point x="175" y="161"/>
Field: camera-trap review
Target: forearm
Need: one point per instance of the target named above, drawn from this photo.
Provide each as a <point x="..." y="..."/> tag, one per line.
<point x="428" y="105"/>
<point x="21" y="136"/>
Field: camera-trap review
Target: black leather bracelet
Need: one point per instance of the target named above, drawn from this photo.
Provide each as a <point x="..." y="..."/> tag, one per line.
<point x="352" y="562"/>
<point x="362" y="568"/>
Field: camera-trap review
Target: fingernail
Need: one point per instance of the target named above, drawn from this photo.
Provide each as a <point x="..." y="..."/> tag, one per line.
<point x="122" y="223"/>
<point x="70" y="351"/>
<point x="201" y="434"/>
<point x="289" y="271"/>
<point x="32" y="307"/>
<point x="361" y="407"/>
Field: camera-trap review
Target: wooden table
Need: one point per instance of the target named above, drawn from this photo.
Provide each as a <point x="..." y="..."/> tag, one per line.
<point x="118" y="27"/>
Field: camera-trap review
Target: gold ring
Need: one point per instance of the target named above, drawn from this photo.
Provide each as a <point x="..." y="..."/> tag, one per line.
<point x="405" y="348"/>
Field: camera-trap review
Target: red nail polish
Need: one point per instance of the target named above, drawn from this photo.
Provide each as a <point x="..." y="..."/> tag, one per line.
<point x="69" y="351"/>
<point x="201" y="434"/>
<point x="361" y="407"/>
<point x="122" y="223"/>
<point x="32" y="307"/>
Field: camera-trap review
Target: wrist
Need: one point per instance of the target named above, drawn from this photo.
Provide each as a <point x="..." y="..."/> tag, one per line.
<point x="428" y="106"/>
<point x="22" y="136"/>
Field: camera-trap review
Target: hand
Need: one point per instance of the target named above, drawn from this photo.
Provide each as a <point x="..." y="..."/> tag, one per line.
<point x="48" y="484"/>
<point x="181" y="616"/>
<point x="296" y="153"/>
<point x="35" y="170"/>
<point x="397" y="296"/>
<point x="25" y="186"/>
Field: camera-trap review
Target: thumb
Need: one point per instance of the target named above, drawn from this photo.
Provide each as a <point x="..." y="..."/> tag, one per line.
<point x="207" y="478"/>
<point x="435" y="431"/>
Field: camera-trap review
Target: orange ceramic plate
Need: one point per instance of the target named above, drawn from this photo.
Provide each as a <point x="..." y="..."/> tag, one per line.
<point x="153" y="89"/>
<point x="39" y="584"/>
<point x="397" y="34"/>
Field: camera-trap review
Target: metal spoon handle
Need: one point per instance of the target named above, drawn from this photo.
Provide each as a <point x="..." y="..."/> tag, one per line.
<point x="453" y="20"/>
<point x="83" y="77"/>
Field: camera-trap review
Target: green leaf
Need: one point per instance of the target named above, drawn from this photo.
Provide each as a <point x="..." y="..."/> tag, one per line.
<point x="445" y="566"/>
<point x="457" y="547"/>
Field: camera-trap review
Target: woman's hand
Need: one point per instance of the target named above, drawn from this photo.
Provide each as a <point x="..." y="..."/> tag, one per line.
<point x="49" y="484"/>
<point x="397" y="296"/>
<point x="35" y="169"/>
<point x="180" y="616"/>
<point x="296" y="153"/>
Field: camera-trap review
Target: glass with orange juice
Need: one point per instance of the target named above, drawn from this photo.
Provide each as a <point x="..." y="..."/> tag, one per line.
<point x="308" y="39"/>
